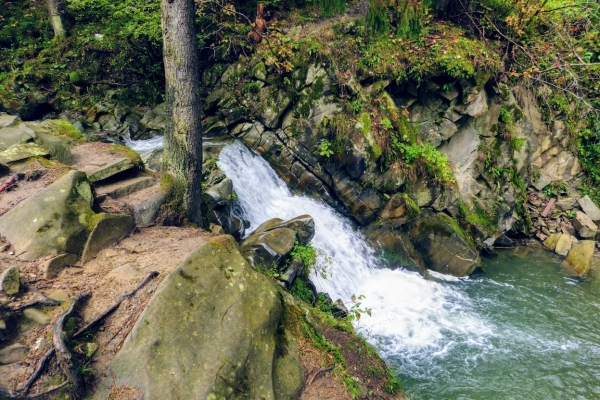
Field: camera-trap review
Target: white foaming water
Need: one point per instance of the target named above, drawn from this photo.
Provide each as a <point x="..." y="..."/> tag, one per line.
<point x="147" y="145"/>
<point x="411" y="316"/>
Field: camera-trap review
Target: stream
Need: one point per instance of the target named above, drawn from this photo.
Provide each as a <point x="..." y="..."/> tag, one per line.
<point x="519" y="330"/>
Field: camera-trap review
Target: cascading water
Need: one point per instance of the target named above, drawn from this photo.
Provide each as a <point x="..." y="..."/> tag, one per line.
<point x="410" y="314"/>
<point x="520" y="331"/>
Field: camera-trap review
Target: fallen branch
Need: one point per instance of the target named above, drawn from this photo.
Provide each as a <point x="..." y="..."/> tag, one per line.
<point x="147" y="278"/>
<point x="321" y="371"/>
<point x="63" y="355"/>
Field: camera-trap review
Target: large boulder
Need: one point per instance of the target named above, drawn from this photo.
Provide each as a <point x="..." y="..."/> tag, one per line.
<point x="445" y="247"/>
<point x="579" y="259"/>
<point x="219" y="208"/>
<point x="270" y="245"/>
<point x="586" y="228"/>
<point x="54" y="221"/>
<point x="209" y="332"/>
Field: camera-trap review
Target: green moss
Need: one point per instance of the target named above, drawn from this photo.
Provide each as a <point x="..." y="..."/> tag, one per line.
<point x="364" y="123"/>
<point x="457" y="229"/>
<point x="128" y="153"/>
<point x="66" y="129"/>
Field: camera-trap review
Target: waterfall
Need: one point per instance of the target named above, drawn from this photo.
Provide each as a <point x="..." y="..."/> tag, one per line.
<point x="411" y="317"/>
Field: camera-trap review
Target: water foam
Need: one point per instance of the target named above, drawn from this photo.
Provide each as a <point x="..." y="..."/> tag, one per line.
<point x="411" y="316"/>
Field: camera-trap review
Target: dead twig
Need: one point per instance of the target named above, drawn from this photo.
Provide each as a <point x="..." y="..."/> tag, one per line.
<point x="321" y="371"/>
<point x="147" y="278"/>
<point x="63" y="355"/>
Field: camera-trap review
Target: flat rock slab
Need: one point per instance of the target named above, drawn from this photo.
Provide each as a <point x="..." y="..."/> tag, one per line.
<point x="7" y="121"/>
<point x="564" y="243"/>
<point x="22" y="151"/>
<point x="589" y="208"/>
<point x="126" y="187"/>
<point x="12" y="135"/>
<point x="54" y="266"/>
<point x="99" y="161"/>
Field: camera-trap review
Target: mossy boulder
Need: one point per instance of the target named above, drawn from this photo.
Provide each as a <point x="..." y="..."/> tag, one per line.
<point x="445" y="247"/>
<point x="209" y="332"/>
<point x="54" y="221"/>
<point x="579" y="259"/>
<point x="270" y="245"/>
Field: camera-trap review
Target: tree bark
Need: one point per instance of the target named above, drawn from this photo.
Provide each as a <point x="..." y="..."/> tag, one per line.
<point x="258" y="27"/>
<point x="56" y="8"/>
<point x="183" y="134"/>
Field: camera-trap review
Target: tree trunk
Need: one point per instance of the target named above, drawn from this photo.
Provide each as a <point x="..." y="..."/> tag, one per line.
<point x="183" y="134"/>
<point x="258" y="27"/>
<point x="56" y="8"/>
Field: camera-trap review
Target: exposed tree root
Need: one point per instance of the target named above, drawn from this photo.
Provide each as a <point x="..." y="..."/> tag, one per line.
<point x="24" y="388"/>
<point x="321" y="371"/>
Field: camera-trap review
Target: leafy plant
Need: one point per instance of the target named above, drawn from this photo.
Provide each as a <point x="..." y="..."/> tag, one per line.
<point x="386" y="124"/>
<point x="307" y="254"/>
<point x="325" y="148"/>
<point x="356" y="311"/>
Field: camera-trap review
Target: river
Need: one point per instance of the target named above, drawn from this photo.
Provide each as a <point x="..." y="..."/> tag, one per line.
<point x="519" y="330"/>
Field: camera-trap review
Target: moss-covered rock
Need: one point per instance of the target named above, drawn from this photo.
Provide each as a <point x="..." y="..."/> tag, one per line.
<point x="209" y="332"/>
<point x="579" y="259"/>
<point x="445" y="247"/>
<point x="54" y="221"/>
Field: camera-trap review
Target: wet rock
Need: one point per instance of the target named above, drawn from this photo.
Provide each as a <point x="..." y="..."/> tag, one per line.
<point x="551" y="241"/>
<point x="13" y="353"/>
<point x="339" y="310"/>
<point x="54" y="221"/>
<point x="589" y="208"/>
<point x="270" y="245"/>
<point x="37" y="316"/>
<point x="586" y="228"/>
<point x="445" y="247"/>
<point x="54" y="266"/>
<point x="564" y="243"/>
<point x="108" y="229"/>
<point x="219" y="206"/>
<point x="293" y="270"/>
<point x="212" y="316"/>
<point x="579" y="259"/>
<point x="10" y="281"/>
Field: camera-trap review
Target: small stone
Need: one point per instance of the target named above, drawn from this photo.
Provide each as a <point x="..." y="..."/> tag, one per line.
<point x="552" y="241"/>
<point x="13" y="353"/>
<point x="563" y="245"/>
<point x="584" y="225"/>
<point x="2" y="324"/>
<point x="541" y="236"/>
<point x="36" y="316"/>
<point x="9" y="281"/>
<point x="54" y="266"/>
<point x="542" y="182"/>
<point x="90" y="349"/>
<point x="589" y="208"/>
<point x="60" y="295"/>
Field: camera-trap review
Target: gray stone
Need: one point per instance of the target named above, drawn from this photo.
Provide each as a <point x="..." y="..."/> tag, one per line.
<point x="54" y="221"/>
<point x="54" y="266"/>
<point x="145" y="213"/>
<point x="7" y="121"/>
<point x="106" y="171"/>
<point x="444" y="246"/>
<point x="22" y="151"/>
<point x="108" y="122"/>
<point x="564" y="243"/>
<point x="211" y="317"/>
<point x="552" y="240"/>
<point x="2" y="324"/>
<point x="566" y="204"/>
<point x="12" y="135"/>
<point x="579" y="259"/>
<point x="10" y="281"/>
<point x="450" y="94"/>
<point x="589" y="208"/>
<point x="461" y="151"/>
<point x="477" y="107"/>
<point x="125" y="187"/>
<point x="543" y="181"/>
<point x="37" y="316"/>
<point x="586" y="228"/>
<point x="153" y="160"/>
<point x="13" y="353"/>
<point x="108" y="229"/>
<point x="273" y="103"/>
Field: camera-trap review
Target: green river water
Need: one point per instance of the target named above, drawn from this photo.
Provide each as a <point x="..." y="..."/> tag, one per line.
<point x="540" y="336"/>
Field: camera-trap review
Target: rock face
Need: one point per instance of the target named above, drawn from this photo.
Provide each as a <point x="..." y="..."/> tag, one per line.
<point x="209" y="332"/>
<point x="272" y="242"/>
<point x="52" y="222"/>
<point x="579" y="259"/>
<point x="443" y="245"/>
